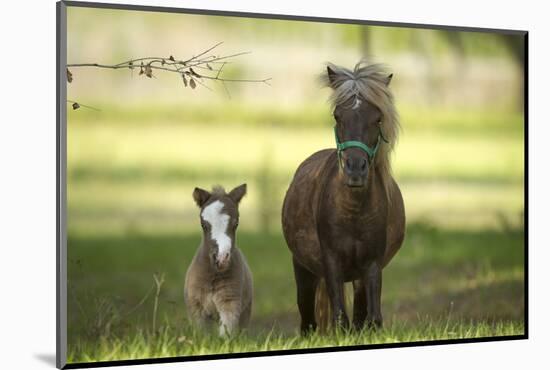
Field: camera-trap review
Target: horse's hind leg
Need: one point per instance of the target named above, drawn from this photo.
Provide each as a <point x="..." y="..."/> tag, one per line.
<point x="306" y="285"/>
<point x="359" y="304"/>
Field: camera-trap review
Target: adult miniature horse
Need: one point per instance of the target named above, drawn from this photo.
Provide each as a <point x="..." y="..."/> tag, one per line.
<point x="343" y="214"/>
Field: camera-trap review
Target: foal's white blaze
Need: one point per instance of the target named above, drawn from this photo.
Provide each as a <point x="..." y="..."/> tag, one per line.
<point x="218" y="227"/>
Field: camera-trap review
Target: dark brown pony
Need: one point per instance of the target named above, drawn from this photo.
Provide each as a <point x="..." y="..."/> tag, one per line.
<point x="343" y="214"/>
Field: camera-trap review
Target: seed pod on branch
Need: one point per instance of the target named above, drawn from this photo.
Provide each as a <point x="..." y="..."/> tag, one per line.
<point x="194" y="73"/>
<point x="148" y="71"/>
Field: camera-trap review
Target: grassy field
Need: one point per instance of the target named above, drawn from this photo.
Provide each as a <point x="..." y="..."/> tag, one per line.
<point x="131" y="216"/>
<point x="470" y="168"/>
<point x="443" y="284"/>
<point x="170" y="342"/>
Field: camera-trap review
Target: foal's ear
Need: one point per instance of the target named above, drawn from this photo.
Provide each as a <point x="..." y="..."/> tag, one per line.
<point x="331" y="77"/>
<point x="200" y="196"/>
<point x="388" y="79"/>
<point x="238" y="193"/>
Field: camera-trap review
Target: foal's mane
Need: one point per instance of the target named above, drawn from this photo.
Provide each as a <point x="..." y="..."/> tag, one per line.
<point x="370" y="81"/>
<point x="218" y="191"/>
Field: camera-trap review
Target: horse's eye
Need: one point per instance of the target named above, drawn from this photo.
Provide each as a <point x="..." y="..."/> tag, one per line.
<point x="236" y="224"/>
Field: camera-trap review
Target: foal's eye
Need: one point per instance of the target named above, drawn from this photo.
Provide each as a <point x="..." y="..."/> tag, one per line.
<point x="236" y="224"/>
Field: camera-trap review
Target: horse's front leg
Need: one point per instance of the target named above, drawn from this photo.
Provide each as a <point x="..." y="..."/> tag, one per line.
<point x="335" y="287"/>
<point x="373" y="289"/>
<point x="359" y="304"/>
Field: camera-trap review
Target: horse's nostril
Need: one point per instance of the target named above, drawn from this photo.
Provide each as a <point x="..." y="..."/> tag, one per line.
<point x="348" y="164"/>
<point x="364" y="165"/>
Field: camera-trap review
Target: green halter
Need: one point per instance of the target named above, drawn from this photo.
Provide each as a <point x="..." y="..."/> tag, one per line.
<point x="371" y="152"/>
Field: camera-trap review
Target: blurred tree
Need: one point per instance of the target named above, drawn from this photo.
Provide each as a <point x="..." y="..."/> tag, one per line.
<point x="516" y="47"/>
<point x="365" y="40"/>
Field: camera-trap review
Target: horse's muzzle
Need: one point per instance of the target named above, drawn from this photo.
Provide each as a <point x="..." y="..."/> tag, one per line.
<point x="356" y="182"/>
<point x="356" y="169"/>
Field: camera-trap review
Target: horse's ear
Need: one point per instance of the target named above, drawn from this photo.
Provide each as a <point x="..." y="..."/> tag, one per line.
<point x="388" y="79"/>
<point x="238" y="193"/>
<point x="331" y="76"/>
<point x="200" y="196"/>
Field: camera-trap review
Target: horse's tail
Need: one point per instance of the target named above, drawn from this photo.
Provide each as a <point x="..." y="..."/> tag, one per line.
<point x="323" y="310"/>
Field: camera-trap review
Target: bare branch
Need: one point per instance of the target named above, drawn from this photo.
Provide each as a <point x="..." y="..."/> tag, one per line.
<point x="186" y="69"/>
<point x="206" y="51"/>
<point x="170" y="64"/>
<point x="159" y="280"/>
<point x="77" y="105"/>
<point x="220" y="70"/>
<point x="173" y="69"/>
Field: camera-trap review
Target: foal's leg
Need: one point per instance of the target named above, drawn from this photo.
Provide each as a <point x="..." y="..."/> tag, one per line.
<point x="229" y="317"/>
<point x="229" y="323"/>
<point x="374" y="294"/>
<point x="359" y="304"/>
<point x="198" y="315"/>
<point x="306" y="285"/>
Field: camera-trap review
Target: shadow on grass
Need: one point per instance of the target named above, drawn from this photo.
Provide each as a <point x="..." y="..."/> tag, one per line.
<point x="173" y="174"/>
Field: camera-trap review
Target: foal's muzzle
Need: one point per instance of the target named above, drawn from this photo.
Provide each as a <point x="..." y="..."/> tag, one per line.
<point x="220" y="261"/>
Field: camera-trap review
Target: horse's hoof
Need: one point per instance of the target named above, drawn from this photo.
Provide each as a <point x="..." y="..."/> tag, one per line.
<point x="307" y="330"/>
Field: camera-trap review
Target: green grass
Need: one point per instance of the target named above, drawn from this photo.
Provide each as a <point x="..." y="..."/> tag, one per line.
<point x="311" y="115"/>
<point x="156" y="152"/>
<point x="470" y="162"/>
<point x="443" y="284"/>
<point x="131" y="215"/>
<point x="170" y="341"/>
